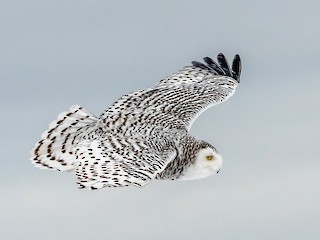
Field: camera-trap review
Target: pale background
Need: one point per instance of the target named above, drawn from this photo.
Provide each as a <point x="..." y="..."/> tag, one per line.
<point x="57" y="53"/>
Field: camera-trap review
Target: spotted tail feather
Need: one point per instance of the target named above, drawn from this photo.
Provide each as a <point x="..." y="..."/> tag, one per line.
<point x="56" y="148"/>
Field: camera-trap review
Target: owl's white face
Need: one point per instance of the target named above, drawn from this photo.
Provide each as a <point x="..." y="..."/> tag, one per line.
<point x="208" y="162"/>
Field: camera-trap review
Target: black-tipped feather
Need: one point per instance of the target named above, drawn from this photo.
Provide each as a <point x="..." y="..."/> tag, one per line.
<point x="236" y="67"/>
<point x="224" y="64"/>
<point x="200" y="65"/>
<point x="223" y="67"/>
<point x="214" y="65"/>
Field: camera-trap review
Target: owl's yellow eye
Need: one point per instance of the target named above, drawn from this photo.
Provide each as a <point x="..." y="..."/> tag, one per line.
<point x="209" y="157"/>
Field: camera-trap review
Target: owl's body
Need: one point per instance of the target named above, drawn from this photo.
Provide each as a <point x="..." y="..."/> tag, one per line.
<point x="143" y="135"/>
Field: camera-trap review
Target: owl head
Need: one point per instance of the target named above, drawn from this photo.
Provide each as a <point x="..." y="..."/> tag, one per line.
<point x="206" y="162"/>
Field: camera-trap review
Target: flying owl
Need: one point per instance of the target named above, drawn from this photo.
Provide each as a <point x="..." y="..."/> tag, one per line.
<point x="144" y="135"/>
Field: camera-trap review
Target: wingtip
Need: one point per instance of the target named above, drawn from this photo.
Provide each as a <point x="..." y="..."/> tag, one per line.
<point x="213" y="65"/>
<point x="207" y="59"/>
<point x="220" y="55"/>
<point x="236" y="67"/>
<point x="222" y="60"/>
<point x="222" y="67"/>
<point x="199" y="65"/>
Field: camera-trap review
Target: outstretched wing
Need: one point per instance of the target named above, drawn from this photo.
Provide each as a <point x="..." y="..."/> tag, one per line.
<point x="177" y="100"/>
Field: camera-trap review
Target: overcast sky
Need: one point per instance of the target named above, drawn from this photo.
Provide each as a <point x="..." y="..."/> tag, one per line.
<point x="58" y="53"/>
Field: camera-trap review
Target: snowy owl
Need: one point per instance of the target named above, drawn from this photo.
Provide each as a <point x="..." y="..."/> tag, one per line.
<point x="144" y="135"/>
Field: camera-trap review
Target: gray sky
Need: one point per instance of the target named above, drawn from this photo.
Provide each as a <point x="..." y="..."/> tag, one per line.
<point x="58" y="53"/>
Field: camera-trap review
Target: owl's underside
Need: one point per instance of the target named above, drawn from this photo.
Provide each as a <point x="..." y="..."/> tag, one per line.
<point x="144" y="134"/>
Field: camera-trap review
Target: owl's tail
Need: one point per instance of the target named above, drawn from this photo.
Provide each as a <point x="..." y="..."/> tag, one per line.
<point x="56" y="149"/>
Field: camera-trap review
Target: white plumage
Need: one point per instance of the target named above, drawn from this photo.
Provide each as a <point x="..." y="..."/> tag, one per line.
<point x="144" y="134"/>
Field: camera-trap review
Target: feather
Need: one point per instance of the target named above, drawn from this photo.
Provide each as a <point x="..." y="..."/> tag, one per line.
<point x="212" y="64"/>
<point x="236" y="68"/>
<point x="224" y="64"/>
<point x="55" y="149"/>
